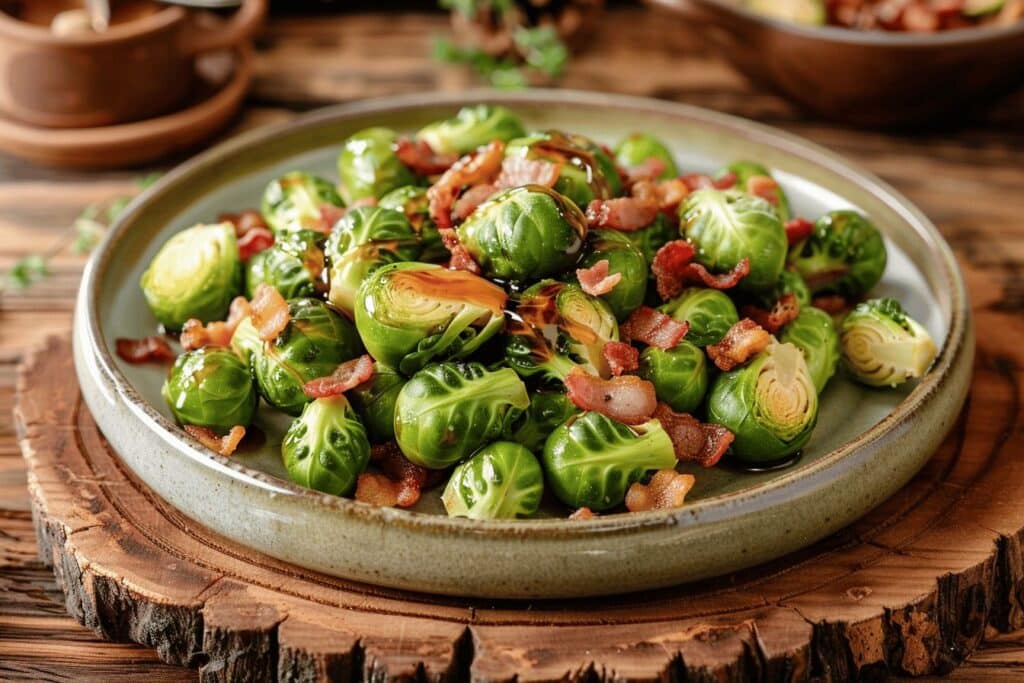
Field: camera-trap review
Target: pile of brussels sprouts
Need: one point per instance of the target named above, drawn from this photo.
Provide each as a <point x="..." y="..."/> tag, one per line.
<point x="469" y="369"/>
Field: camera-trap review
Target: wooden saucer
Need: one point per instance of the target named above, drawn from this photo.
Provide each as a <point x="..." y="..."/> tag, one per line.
<point x="139" y="142"/>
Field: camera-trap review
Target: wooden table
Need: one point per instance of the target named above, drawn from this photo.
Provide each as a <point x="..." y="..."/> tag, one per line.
<point x="969" y="181"/>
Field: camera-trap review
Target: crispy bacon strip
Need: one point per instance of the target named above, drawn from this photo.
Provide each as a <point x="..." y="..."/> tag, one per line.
<point x="654" y="328"/>
<point x="695" y="441"/>
<point x="764" y="187"/>
<point x="348" y="375"/>
<point x="378" y="490"/>
<point x="798" y="229"/>
<point x="401" y="482"/>
<point x="244" y="221"/>
<point x="628" y="398"/>
<point x="482" y="166"/>
<point x="785" y="311"/>
<point x="666" y="490"/>
<point x="195" y="335"/>
<point x="461" y="258"/>
<point x="225" y="445"/>
<point x="269" y="312"/>
<point x="649" y="169"/>
<point x="669" y="267"/>
<point x="596" y="280"/>
<point x="470" y="199"/>
<point x="582" y="514"/>
<point x="621" y="357"/>
<point x="830" y="303"/>
<point x="253" y="242"/>
<point x="421" y="158"/>
<point x="667" y="193"/>
<point x="518" y="171"/>
<point x="699" y="181"/>
<point x="622" y="213"/>
<point x="331" y="214"/>
<point x="743" y="341"/>
<point x="152" y="349"/>
<point x="695" y="273"/>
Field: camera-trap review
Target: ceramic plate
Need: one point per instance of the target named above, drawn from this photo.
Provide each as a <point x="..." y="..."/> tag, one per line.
<point x="867" y="444"/>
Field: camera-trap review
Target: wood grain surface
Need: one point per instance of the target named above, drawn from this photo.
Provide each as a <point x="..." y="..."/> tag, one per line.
<point x="969" y="180"/>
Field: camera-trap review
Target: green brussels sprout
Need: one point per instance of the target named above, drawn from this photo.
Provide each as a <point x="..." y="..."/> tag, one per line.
<point x="501" y="481"/>
<point x="315" y="342"/>
<point x="710" y="313"/>
<point x="375" y="402"/>
<point x="623" y="258"/>
<point x="446" y="411"/>
<point x="789" y="282"/>
<point x="524" y="233"/>
<point x="745" y="170"/>
<point x="292" y="202"/>
<point x="845" y="255"/>
<point x="293" y="266"/>
<point x="652" y="238"/>
<point x="195" y="274"/>
<point x="679" y="375"/>
<point x="410" y="313"/>
<point x="770" y="404"/>
<point x="637" y="148"/>
<point x="587" y="172"/>
<point x="548" y="410"/>
<point x="815" y="335"/>
<point x="883" y="346"/>
<point x="591" y="460"/>
<point x="556" y="327"/>
<point x="369" y="167"/>
<point x="729" y="226"/>
<point x="412" y="201"/>
<point x="326" y="448"/>
<point x="472" y="127"/>
<point x="210" y="387"/>
<point x="367" y="238"/>
<point x="246" y="341"/>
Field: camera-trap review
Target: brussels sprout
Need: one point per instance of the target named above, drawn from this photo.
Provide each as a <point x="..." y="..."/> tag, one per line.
<point x="410" y="313"/>
<point x="710" y="313"/>
<point x="293" y="266"/>
<point x="246" y="341"/>
<point x="815" y="335"/>
<point x="556" y="327"/>
<point x="623" y="258"/>
<point x="375" y="402"/>
<point x="524" y="233"/>
<point x="729" y="226"/>
<point x="745" y="170"/>
<point x="313" y="344"/>
<point x="652" y="238"/>
<point x="326" y="447"/>
<point x="548" y="410"/>
<point x="369" y="167"/>
<point x="412" y="201"/>
<point x="637" y="148"/>
<point x="501" y="481"/>
<point x="587" y="172"/>
<point x="195" y="274"/>
<point x="472" y="127"/>
<point x="446" y="411"/>
<point x="367" y="238"/>
<point x="591" y="460"/>
<point x="883" y="346"/>
<point x="770" y="404"/>
<point x="292" y="202"/>
<point x="679" y="375"/>
<point x="210" y="387"/>
<point x="789" y="282"/>
<point x="845" y="255"/>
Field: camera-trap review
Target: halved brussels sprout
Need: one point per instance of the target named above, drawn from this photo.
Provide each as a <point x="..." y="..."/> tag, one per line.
<point x="591" y="460"/>
<point x="210" y="387"/>
<point x="637" y="148"/>
<point x="313" y="344"/>
<point x="326" y="447"/>
<point x="845" y="255"/>
<point x="375" y="402"/>
<point x="728" y="226"/>
<point x="587" y="172"/>
<point x="883" y="346"/>
<point x="195" y="274"/>
<point x="472" y="127"/>
<point x="446" y="411"/>
<point x="815" y="335"/>
<point x="710" y="313"/>
<point x="412" y="201"/>
<point x="369" y="167"/>
<point x="501" y="481"/>
<point x="524" y="233"/>
<point x="548" y="410"/>
<point x="789" y="282"/>
<point x="292" y="203"/>
<point x="679" y="375"/>
<point x="293" y="266"/>
<point x="367" y="238"/>
<point x="556" y="327"/>
<point x="623" y="258"/>
<point x="770" y="404"/>
<point x="745" y="170"/>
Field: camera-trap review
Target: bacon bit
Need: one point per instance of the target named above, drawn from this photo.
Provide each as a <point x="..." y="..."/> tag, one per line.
<point x="329" y="216"/>
<point x="669" y="267"/>
<point x="517" y="171"/>
<point x="650" y="169"/>
<point x="253" y="242"/>
<point x="622" y="213"/>
<point x="470" y="199"/>
<point x="798" y="229"/>
<point x="348" y="375"/>
<point x="481" y="166"/>
<point x="694" y="441"/>
<point x="225" y="445"/>
<point x="621" y="357"/>
<point x="421" y="158"/>
<point x="378" y="490"/>
<point x="831" y="303"/>
<point x="700" y="181"/>
<point x="152" y="349"/>
<point x="695" y="272"/>
<point x="244" y="221"/>
<point x="654" y="328"/>
<point x="667" y="193"/>
<point x="666" y="490"/>
<point x="595" y="280"/>
<point x="628" y="399"/>
<point x="195" y="335"/>
<point x="764" y="187"/>
<point x="582" y="514"/>
<point x="785" y="311"/>
<point x="269" y="312"/>
<point x="401" y="482"/>
<point x="743" y="341"/>
<point x="461" y="258"/>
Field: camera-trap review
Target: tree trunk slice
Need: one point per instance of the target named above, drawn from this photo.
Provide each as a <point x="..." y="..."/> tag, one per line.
<point x="911" y="588"/>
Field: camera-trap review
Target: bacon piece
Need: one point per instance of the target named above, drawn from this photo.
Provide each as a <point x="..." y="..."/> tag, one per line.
<point x="785" y="311"/>
<point x="253" y="242"/>
<point x="622" y="213"/>
<point x="582" y="514"/>
<point x="330" y="215"/>
<point x="628" y="399"/>
<point x="701" y="442"/>
<point x="764" y="187"/>
<point x="401" y="482"/>
<point x="152" y="349"/>
<point x="798" y="229"/>
<point x="831" y="303"/>
<point x="348" y="375"/>
<point x="517" y="171"/>
<point x="621" y="357"/>
<point x="666" y="490"/>
<point x="482" y="166"/>
<point x="225" y="445"/>
<point x="696" y="273"/>
<point x="596" y="280"/>
<point x="195" y="335"/>
<point x="743" y="341"/>
<point x="667" y="193"/>
<point x="378" y="490"/>
<point x="470" y="199"/>
<point x="700" y="181"/>
<point x="461" y="258"/>
<point x="654" y="328"/>
<point x="269" y="312"/>
<point x="244" y="221"/>
<point x="418" y="156"/>
<point x="649" y="169"/>
<point x="669" y="267"/>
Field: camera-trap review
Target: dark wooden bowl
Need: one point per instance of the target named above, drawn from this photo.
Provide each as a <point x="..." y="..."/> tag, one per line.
<point x="868" y="78"/>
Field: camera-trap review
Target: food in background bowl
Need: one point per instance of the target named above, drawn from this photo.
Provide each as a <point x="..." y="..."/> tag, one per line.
<point x="918" y="16"/>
